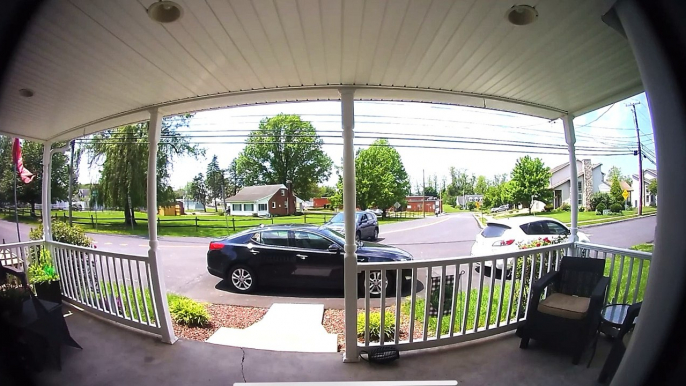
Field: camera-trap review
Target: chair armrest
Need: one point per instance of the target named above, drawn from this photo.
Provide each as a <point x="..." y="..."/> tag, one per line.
<point x="629" y="319"/>
<point x="18" y="273"/>
<point x="546" y="280"/>
<point x="598" y="294"/>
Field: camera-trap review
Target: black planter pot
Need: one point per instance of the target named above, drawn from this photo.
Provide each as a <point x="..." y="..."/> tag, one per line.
<point x="49" y="291"/>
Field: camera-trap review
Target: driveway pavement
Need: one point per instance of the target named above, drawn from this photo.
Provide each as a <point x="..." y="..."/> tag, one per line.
<point x="183" y="258"/>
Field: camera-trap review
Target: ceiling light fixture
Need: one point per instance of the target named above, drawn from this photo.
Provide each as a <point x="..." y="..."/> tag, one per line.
<point x="521" y="14"/>
<point x="26" y="93"/>
<point x="165" y="11"/>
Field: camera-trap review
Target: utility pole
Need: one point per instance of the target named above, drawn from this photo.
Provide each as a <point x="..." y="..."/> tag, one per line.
<point x="632" y="105"/>
<point x="423" y="196"/>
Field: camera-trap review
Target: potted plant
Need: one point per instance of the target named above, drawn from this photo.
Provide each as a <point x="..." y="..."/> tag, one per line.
<point x="44" y="278"/>
<point x="12" y="298"/>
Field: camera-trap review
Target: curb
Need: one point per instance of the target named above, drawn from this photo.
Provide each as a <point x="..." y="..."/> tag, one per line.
<point x="478" y="221"/>
<point x="614" y="222"/>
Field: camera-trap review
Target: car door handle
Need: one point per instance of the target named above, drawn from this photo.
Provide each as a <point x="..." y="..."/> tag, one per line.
<point x="254" y="251"/>
<point x="301" y="257"/>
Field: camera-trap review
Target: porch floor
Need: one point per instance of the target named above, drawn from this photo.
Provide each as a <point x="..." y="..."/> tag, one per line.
<point x="117" y="356"/>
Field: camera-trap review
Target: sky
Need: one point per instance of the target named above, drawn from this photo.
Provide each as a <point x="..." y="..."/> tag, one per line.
<point x="429" y="137"/>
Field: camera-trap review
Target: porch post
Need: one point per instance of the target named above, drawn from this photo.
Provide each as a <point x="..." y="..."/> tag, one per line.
<point x="349" y="205"/>
<point x="159" y="288"/>
<point x="45" y="192"/>
<point x="570" y="138"/>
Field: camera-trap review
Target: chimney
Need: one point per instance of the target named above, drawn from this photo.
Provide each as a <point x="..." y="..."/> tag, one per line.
<point x="588" y="183"/>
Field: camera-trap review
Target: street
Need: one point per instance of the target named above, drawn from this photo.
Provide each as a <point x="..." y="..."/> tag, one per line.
<point x="183" y="258"/>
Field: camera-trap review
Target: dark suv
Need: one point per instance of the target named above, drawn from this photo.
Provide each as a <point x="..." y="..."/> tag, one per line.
<point x="366" y="225"/>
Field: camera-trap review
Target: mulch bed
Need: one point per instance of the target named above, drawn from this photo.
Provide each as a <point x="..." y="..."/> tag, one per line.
<point x="221" y="315"/>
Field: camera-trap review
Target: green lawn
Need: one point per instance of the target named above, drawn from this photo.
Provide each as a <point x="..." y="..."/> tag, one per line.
<point x="452" y="209"/>
<point x="585" y="218"/>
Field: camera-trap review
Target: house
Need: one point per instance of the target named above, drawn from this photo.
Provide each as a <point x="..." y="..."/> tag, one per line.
<point x="321" y="202"/>
<point x="263" y="200"/>
<point x="648" y="176"/>
<point x="591" y="180"/>
<point x="415" y="203"/>
<point x="190" y="205"/>
<point x="463" y="200"/>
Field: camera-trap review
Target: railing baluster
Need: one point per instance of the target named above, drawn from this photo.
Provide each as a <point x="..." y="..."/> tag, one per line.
<point x="90" y="273"/>
<point x="140" y="286"/>
<point x="628" y="279"/>
<point x="520" y="293"/>
<point x="77" y="274"/>
<point x="84" y="278"/>
<point x="441" y="300"/>
<point x="479" y="294"/>
<point x="126" y="289"/>
<point x="109" y="287"/>
<point x="152" y="297"/>
<point x="101" y="281"/>
<point x="512" y="290"/>
<point x="453" y="302"/>
<point x="531" y="281"/>
<point x="489" y="305"/>
<point x="503" y="281"/>
<point x="133" y="293"/>
<point x="427" y="301"/>
<point x="620" y="275"/>
<point x="540" y="265"/>
<point x="65" y="281"/>
<point x="468" y="291"/>
<point x="398" y="296"/>
<point x="413" y="302"/>
<point x="382" y="300"/>
<point x="638" y="280"/>
<point x="367" y="282"/>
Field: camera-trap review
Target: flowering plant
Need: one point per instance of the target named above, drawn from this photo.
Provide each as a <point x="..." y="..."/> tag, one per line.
<point x="541" y="242"/>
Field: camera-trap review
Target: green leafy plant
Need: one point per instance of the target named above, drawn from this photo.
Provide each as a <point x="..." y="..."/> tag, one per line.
<point x="548" y="207"/>
<point x="600" y="208"/>
<point x="582" y="209"/>
<point x="616" y="208"/>
<point x="41" y="269"/>
<point x="565" y="207"/>
<point x="62" y="232"/>
<point x="187" y="312"/>
<point x="375" y="326"/>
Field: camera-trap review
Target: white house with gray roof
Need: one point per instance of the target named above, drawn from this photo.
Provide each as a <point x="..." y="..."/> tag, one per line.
<point x="591" y="179"/>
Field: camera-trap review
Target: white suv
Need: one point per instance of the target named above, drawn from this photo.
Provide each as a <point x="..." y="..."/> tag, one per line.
<point x="501" y="236"/>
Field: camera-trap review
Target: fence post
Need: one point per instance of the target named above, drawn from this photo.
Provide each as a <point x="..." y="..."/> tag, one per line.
<point x="92" y="222"/>
<point x="305" y="218"/>
<point x="196" y="223"/>
<point x="272" y="218"/>
<point x="158" y="223"/>
<point x="233" y="223"/>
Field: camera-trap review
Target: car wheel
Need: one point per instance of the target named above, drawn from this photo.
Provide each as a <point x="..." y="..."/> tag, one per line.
<point x="357" y="236"/>
<point x="242" y="279"/>
<point x="376" y="283"/>
<point x="376" y="234"/>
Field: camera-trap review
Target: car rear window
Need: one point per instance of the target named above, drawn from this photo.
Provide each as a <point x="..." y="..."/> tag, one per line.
<point x="494" y="230"/>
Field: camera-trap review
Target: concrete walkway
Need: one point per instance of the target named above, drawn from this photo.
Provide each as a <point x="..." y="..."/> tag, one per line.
<point x="285" y="327"/>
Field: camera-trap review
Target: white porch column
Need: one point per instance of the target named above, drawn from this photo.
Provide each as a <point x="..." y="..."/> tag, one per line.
<point x="349" y="205"/>
<point x="45" y="192"/>
<point x="570" y="138"/>
<point x="160" y="289"/>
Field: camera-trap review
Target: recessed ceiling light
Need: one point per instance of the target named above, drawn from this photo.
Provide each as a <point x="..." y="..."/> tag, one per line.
<point x="521" y="14"/>
<point x="165" y="11"/>
<point x="26" y="93"/>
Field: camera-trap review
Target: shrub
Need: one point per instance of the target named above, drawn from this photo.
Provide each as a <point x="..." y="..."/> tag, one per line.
<point x="653" y="204"/>
<point x="565" y="207"/>
<point x="471" y="205"/>
<point x="255" y="214"/>
<point x="187" y="312"/>
<point x="63" y="233"/>
<point x="598" y="198"/>
<point x="616" y="208"/>
<point x="375" y="326"/>
<point x="548" y="207"/>
<point x="582" y="209"/>
<point x="41" y="269"/>
<point x="600" y="208"/>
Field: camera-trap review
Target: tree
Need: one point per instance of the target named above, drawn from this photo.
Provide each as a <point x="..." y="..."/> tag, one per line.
<point x="481" y="185"/>
<point x="325" y="191"/>
<point x="652" y="187"/>
<point x="530" y="178"/>
<point x="285" y="147"/>
<point x="198" y="190"/>
<point x="614" y="174"/>
<point x="180" y="193"/>
<point x="32" y="154"/>
<point x="430" y="191"/>
<point x="122" y="154"/>
<point x="381" y="179"/>
<point x="214" y="181"/>
<point x="616" y="191"/>
<point x="234" y="179"/>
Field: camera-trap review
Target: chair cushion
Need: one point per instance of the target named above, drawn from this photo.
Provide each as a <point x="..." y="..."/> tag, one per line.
<point x="564" y="306"/>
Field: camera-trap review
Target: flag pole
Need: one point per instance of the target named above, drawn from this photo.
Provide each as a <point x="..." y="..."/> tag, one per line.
<point x="16" y="213"/>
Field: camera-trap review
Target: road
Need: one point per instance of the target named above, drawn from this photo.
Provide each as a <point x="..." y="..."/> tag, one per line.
<point x="183" y="258"/>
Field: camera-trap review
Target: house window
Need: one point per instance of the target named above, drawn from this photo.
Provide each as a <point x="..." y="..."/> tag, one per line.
<point x="579" y="186"/>
<point x="273" y="204"/>
<point x="283" y="193"/>
<point x="236" y="207"/>
<point x="285" y="204"/>
<point x="249" y="207"/>
<point x="261" y="207"/>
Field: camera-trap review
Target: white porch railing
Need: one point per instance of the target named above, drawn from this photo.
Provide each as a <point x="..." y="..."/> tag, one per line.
<point x="19" y="255"/>
<point x="114" y="286"/>
<point x="481" y="306"/>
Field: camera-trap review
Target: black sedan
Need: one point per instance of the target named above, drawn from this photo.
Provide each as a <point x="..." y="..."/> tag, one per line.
<point x="293" y="255"/>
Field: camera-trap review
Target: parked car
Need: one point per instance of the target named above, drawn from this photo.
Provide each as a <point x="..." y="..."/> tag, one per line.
<point x="366" y="225"/>
<point x="505" y="235"/>
<point x="501" y="208"/>
<point x="377" y="211"/>
<point x="295" y="255"/>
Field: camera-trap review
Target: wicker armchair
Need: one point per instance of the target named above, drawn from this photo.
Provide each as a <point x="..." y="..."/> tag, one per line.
<point x="570" y="314"/>
<point x="618" y="346"/>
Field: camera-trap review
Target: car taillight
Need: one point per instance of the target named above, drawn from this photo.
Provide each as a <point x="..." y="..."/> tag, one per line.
<point x="214" y="246"/>
<point x="503" y="243"/>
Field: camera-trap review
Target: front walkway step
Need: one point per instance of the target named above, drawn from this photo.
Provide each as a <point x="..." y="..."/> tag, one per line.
<point x="285" y="327"/>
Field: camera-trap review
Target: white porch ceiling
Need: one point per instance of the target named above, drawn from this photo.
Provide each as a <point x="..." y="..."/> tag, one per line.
<point x="94" y="64"/>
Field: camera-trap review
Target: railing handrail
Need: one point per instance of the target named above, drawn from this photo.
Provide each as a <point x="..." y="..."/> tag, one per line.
<point x="99" y="251"/>
<point x="622" y="251"/>
<point x="437" y="262"/>
<point x="30" y="243"/>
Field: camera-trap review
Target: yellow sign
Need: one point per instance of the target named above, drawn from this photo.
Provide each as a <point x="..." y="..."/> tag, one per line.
<point x="478" y="204"/>
<point x="625" y="194"/>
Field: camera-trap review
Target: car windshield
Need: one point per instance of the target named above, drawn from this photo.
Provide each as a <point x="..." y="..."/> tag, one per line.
<point x="333" y="235"/>
<point x="339" y="218"/>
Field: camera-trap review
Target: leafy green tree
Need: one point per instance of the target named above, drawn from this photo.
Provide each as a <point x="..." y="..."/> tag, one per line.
<point x="652" y="187"/>
<point x="214" y="181"/>
<point x="198" y="190"/>
<point x="325" y="191"/>
<point x="531" y="178"/>
<point x="122" y="155"/>
<point x="616" y="191"/>
<point x="614" y="174"/>
<point x="32" y="154"/>
<point x="430" y="191"/>
<point x="381" y="179"/>
<point x="283" y="148"/>
<point x="481" y="185"/>
<point x="234" y="179"/>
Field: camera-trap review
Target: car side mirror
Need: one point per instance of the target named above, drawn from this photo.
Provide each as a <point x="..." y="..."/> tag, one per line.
<point x="334" y="248"/>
